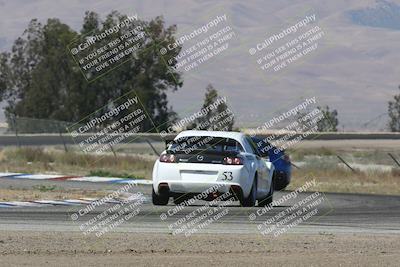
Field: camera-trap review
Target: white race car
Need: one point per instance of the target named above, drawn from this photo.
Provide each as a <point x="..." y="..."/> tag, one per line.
<point x="196" y="161"/>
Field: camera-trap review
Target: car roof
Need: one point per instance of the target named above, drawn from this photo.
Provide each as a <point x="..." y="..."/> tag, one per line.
<point x="233" y="135"/>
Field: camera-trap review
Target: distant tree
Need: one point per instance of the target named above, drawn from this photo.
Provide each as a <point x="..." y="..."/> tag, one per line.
<point x="218" y="119"/>
<point x="4" y="75"/>
<point x="40" y="79"/>
<point x="329" y="122"/>
<point x="394" y="113"/>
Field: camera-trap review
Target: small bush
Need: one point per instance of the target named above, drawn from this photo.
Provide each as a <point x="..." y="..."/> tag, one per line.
<point x="300" y="154"/>
<point x="45" y="188"/>
<point x="396" y="172"/>
<point x="105" y="173"/>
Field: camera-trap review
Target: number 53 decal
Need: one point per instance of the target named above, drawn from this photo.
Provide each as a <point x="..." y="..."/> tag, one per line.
<point x="227" y="176"/>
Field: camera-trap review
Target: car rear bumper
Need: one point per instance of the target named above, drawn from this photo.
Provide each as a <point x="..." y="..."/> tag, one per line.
<point x="203" y="191"/>
<point x="197" y="178"/>
<point x="196" y="187"/>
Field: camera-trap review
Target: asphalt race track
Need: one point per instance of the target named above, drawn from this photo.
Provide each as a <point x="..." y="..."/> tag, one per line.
<point x="337" y="213"/>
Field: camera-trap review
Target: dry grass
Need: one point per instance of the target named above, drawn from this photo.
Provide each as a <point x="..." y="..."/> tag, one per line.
<point x="39" y="194"/>
<point x="321" y="165"/>
<point x="35" y="160"/>
<point x="363" y="155"/>
<point x="345" y="181"/>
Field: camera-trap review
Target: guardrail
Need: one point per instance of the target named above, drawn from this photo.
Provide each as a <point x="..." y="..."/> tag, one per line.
<point x="60" y="139"/>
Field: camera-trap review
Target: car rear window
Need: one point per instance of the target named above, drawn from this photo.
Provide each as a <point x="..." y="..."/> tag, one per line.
<point x="191" y="144"/>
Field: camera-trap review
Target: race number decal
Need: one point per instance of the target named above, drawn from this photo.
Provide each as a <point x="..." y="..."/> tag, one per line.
<point x="227" y="176"/>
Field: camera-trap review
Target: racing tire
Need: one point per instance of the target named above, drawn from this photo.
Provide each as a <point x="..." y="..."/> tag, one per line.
<point x="269" y="198"/>
<point x="159" y="200"/>
<point x="250" y="201"/>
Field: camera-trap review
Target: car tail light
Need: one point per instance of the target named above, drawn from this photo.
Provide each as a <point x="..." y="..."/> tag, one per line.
<point x="167" y="158"/>
<point x="233" y="161"/>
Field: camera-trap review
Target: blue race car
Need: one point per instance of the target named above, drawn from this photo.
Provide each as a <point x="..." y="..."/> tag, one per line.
<point x="280" y="160"/>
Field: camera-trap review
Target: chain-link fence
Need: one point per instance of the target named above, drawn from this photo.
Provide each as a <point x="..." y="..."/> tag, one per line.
<point x="17" y="126"/>
<point x="23" y="125"/>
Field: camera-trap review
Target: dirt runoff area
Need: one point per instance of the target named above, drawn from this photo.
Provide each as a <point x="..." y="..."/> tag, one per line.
<point x="53" y="193"/>
<point x="28" y="248"/>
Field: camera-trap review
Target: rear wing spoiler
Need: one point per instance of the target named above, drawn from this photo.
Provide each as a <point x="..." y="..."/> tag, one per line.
<point x="168" y="141"/>
<point x="197" y="150"/>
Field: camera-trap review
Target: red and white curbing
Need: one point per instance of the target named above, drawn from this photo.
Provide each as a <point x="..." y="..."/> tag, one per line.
<point x="47" y="202"/>
<point x="67" y="202"/>
<point x="57" y="177"/>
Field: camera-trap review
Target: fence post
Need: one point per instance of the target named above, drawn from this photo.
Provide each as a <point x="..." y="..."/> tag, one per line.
<point x="294" y="165"/>
<point x="152" y="147"/>
<point x="394" y="159"/>
<point x="62" y="138"/>
<point x="342" y="160"/>
<point x="112" y="149"/>
<point x="14" y="119"/>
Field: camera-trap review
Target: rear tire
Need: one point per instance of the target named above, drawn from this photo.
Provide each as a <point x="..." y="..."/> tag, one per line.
<point x="250" y="201"/>
<point x="269" y="198"/>
<point x="159" y="200"/>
